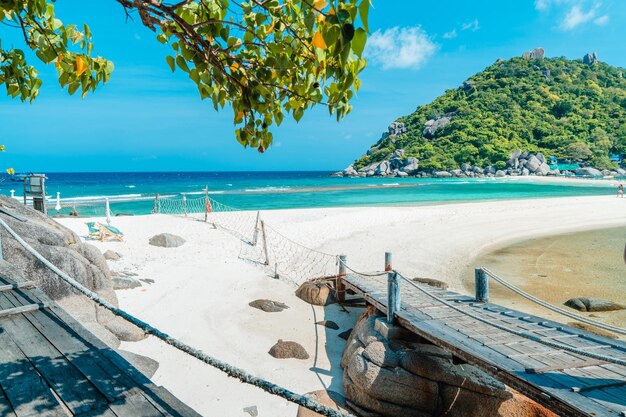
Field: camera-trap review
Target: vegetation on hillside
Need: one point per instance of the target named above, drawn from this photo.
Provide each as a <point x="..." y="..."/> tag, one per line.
<point x="556" y="106"/>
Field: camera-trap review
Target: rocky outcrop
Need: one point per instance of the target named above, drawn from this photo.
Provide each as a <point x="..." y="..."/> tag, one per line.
<point x="433" y="125"/>
<point x="593" y="304"/>
<point x="408" y="377"/>
<point x="63" y="248"/>
<point x="590" y="59"/>
<point x="537" y="53"/>
<point x="520" y="162"/>
<point x="167" y="240"/>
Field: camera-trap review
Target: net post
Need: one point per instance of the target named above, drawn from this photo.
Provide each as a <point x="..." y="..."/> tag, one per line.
<point x="388" y="266"/>
<point x="255" y="236"/>
<point x="206" y="202"/>
<point x="155" y="207"/>
<point x="340" y="286"/>
<point x="267" y="259"/>
<point x="393" y="296"/>
<point x="185" y="204"/>
<point x="481" y="285"/>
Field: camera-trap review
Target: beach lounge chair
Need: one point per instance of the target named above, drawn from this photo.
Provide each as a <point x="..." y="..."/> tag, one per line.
<point x="101" y="232"/>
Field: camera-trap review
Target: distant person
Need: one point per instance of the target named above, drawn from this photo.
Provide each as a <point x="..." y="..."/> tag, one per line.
<point x="620" y="191"/>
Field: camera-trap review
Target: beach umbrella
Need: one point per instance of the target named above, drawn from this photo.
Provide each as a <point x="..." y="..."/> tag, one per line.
<point x="107" y="211"/>
<point x="58" y="205"/>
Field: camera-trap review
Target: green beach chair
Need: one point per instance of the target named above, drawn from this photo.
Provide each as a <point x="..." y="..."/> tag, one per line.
<point x="101" y="232"/>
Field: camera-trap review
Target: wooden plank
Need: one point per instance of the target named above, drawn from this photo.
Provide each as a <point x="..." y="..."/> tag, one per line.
<point x="110" y="381"/>
<point x="599" y="386"/>
<point x="25" y="284"/>
<point x="5" y="406"/>
<point x="136" y="405"/>
<point x="27" y="392"/>
<point x="22" y="309"/>
<point x="72" y="387"/>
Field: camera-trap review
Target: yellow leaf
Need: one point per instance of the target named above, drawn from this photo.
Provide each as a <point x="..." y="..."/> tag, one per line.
<point x="320" y="4"/>
<point x="320" y="18"/>
<point x="58" y="63"/>
<point x="238" y="117"/>
<point x="331" y="11"/>
<point x="80" y="66"/>
<point x="234" y="66"/>
<point x="270" y="29"/>
<point x="318" y="41"/>
<point x="10" y="171"/>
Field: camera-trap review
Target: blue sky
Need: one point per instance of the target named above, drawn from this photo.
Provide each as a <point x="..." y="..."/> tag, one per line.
<point x="148" y="119"/>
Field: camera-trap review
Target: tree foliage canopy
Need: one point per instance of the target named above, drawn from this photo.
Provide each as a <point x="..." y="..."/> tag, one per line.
<point x="265" y="58"/>
<point x="556" y="106"/>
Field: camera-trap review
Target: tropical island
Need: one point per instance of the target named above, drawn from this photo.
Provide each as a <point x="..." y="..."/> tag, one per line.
<point x="527" y="115"/>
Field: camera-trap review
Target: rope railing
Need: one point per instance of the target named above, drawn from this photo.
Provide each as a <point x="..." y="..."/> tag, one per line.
<point x="230" y="370"/>
<point x="524" y="335"/>
<point x="552" y="307"/>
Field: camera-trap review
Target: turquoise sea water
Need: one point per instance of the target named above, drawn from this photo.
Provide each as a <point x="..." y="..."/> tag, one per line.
<point x="133" y="193"/>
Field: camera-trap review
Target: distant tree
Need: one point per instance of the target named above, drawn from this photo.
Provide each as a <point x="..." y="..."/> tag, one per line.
<point x="578" y="150"/>
<point x="264" y="58"/>
<point x="561" y="109"/>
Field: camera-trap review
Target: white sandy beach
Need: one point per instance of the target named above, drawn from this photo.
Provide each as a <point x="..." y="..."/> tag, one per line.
<point x="202" y="289"/>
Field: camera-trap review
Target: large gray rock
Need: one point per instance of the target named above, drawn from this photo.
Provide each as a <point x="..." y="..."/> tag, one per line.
<point x="167" y="240"/>
<point x="125" y="283"/>
<point x="402" y="377"/>
<point x="590" y="59"/>
<point x="433" y="125"/>
<point x="60" y="246"/>
<point x="593" y="304"/>
<point x="442" y="174"/>
<point x="350" y="172"/>
<point x="500" y="173"/>
<point x="384" y="168"/>
<point x="111" y="255"/>
<point x="544" y="169"/>
<point x="533" y="164"/>
<point x="588" y="172"/>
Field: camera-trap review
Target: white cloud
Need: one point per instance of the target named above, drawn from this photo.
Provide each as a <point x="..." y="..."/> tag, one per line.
<point x="473" y="26"/>
<point x="577" y="16"/>
<point x="602" y="20"/>
<point x="450" y="35"/>
<point x="396" y="48"/>
<point x="542" y="4"/>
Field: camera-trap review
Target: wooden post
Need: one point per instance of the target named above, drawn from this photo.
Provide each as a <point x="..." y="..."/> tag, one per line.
<point x="255" y="236"/>
<point x="388" y="261"/>
<point x="185" y="204"/>
<point x="481" y="283"/>
<point x="393" y="296"/>
<point x="267" y="259"/>
<point x="155" y="207"/>
<point x="206" y="202"/>
<point x="341" y="288"/>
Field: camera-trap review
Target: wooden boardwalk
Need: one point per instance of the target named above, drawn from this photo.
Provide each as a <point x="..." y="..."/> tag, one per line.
<point x="52" y="366"/>
<point x="567" y="383"/>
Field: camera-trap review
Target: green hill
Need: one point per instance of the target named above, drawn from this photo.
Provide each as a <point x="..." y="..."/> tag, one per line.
<point x="559" y="107"/>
